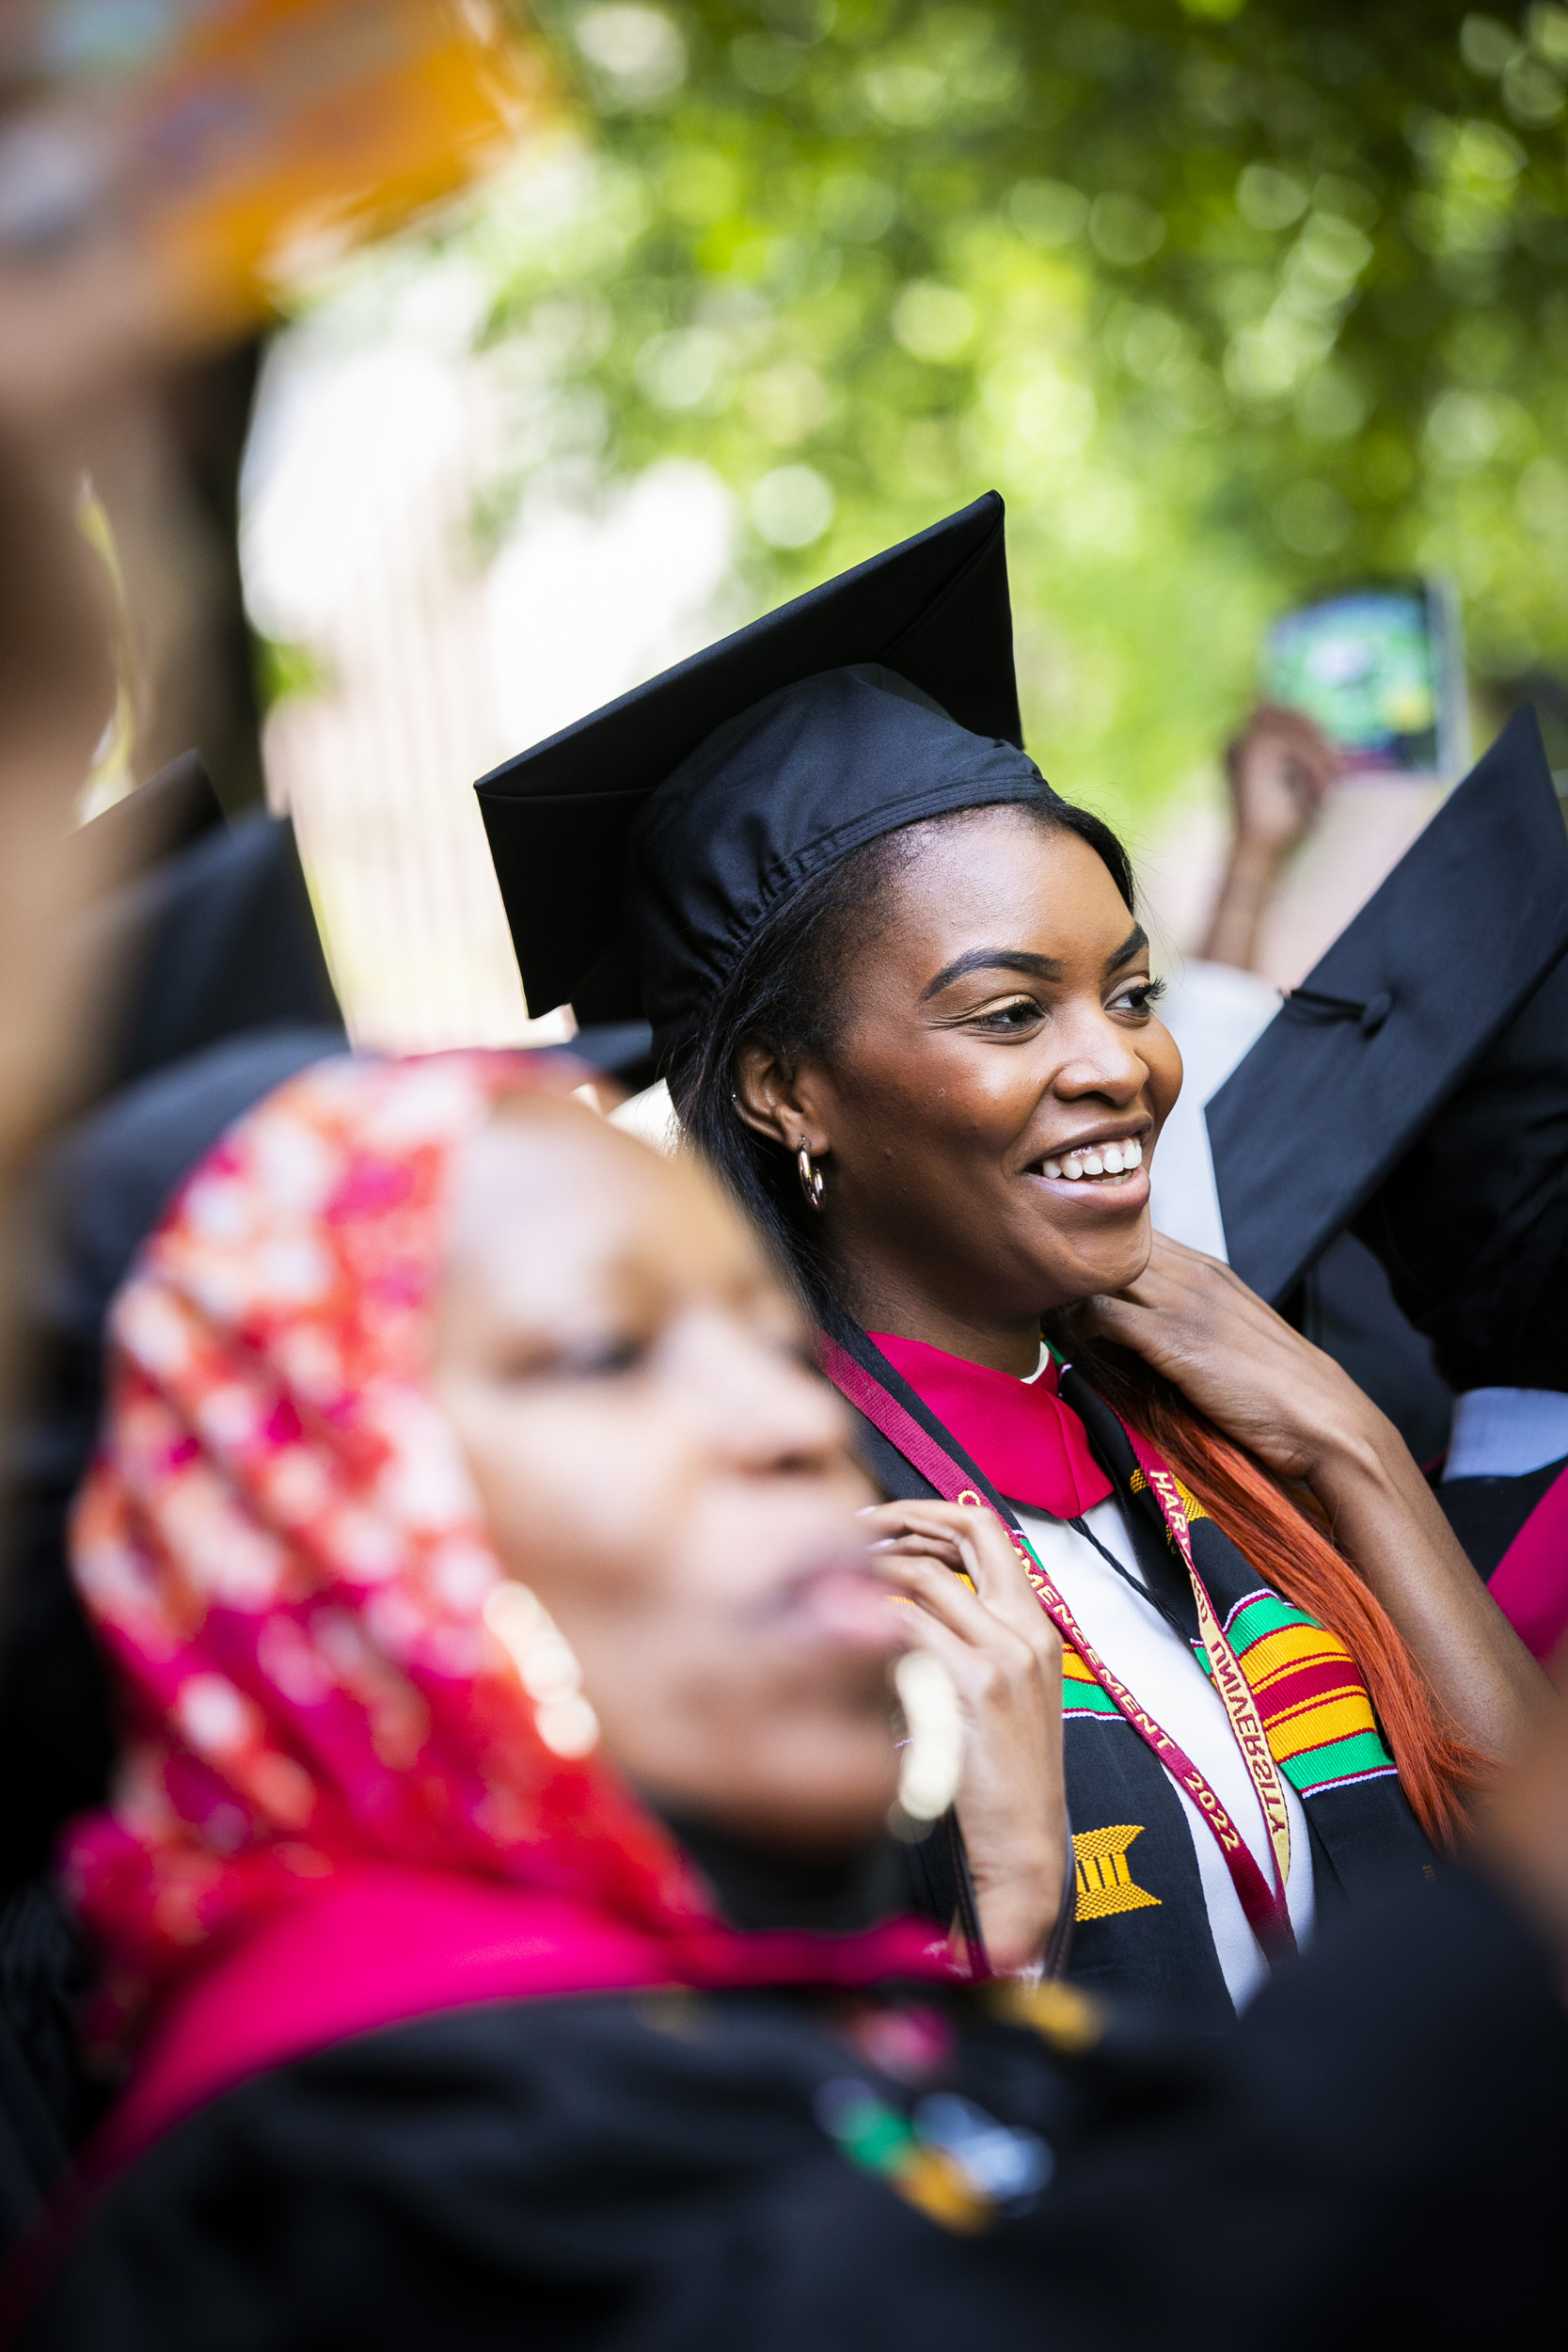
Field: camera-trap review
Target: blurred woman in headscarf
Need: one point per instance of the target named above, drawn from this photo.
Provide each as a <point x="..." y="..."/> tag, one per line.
<point x="498" y="1910"/>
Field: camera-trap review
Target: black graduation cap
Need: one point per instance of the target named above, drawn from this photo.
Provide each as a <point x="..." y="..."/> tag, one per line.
<point x="216" y="938"/>
<point x="1416" y="1084"/>
<point x="1472" y="1225"/>
<point x="161" y="816"/>
<point x="933" y="613"/>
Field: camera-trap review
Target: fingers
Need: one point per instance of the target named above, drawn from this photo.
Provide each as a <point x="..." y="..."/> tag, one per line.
<point x="999" y="1675"/>
<point x="946" y="1600"/>
<point x="1195" y="1321"/>
<point x="1199" y="1297"/>
<point x="975" y="1541"/>
<point x="1005" y="1658"/>
<point x="976" y="1677"/>
<point x="982" y="1545"/>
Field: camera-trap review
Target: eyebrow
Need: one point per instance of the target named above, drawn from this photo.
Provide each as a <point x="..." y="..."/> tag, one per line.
<point x="1016" y="959"/>
<point x="993" y="959"/>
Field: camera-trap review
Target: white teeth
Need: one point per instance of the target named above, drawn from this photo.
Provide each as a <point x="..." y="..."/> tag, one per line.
<point x="1097" y="1159"/>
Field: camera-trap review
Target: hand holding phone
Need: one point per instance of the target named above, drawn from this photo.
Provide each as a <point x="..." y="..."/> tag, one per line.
<point x="1279" y="767"/>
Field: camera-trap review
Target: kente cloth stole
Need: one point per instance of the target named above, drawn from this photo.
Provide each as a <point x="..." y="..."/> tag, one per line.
<point x="1312" y="1703"/>
<point x="1311" y="1694"/>
<point x="1262" y="1898"/>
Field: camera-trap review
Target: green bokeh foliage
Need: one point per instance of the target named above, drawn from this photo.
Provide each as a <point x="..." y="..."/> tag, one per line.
<point x="1233" y="301"/>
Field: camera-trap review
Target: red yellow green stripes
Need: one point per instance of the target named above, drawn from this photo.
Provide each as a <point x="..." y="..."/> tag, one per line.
<point x="1310" y="1695"/>
<point x="1082" y="1695"/>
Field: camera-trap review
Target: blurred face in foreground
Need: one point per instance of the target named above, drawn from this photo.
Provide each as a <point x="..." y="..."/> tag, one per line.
<point x="659" y="1466"/>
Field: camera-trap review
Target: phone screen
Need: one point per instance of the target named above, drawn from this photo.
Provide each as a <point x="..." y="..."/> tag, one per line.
<point x="1377" y="668"/>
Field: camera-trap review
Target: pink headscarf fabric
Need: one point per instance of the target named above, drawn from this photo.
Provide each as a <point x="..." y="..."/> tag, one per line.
<point x="282" y="1552"/>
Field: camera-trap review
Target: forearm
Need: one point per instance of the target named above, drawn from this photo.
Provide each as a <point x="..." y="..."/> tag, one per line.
<point x="1012" y="1810"/>
<point x="1249" y="879"/>
<point x="1388" y="1523"/>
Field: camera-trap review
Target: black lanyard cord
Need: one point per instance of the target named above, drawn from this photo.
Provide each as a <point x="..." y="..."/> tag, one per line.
<point x="1163" y="1607"/>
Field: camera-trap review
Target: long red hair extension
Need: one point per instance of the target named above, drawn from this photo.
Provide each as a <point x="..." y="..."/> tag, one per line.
<point x="1438" y="1767"/>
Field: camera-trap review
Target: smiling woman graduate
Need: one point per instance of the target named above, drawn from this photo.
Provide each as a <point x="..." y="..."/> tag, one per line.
<point x="905" y="1007"/>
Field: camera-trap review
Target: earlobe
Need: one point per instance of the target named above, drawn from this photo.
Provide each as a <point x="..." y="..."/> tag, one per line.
<point x="766" y="1096"/>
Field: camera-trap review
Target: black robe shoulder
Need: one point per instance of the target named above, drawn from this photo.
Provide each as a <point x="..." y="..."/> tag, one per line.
<point x="1375" y="2153"/>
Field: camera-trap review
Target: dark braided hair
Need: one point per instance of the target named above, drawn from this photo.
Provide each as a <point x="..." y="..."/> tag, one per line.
<point x="789" y="990"/>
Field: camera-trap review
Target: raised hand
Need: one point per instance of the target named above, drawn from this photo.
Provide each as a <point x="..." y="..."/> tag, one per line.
<point x="1195" y="1321"/>
<point x="1004" y="1657"/>
<point x="1301" y="1414"/>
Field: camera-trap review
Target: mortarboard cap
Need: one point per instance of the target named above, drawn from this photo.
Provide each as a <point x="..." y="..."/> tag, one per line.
<point x="764" y="779"/>
<point x="161" y="816"/>
<point x="1357" y="1072"/>
<point x="216" y="939"/>
<point x="1472" y="1225"/>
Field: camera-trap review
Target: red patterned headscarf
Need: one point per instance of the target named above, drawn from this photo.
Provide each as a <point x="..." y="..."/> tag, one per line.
<point x="282" y="1552"/>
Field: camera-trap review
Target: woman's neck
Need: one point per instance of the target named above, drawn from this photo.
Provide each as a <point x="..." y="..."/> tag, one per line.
<point x="1012" y="1345"/>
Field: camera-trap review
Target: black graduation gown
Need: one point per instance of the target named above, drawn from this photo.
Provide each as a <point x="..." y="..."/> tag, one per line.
<point x="1374" y="2154"/>
<point x="1150" y="1938"/>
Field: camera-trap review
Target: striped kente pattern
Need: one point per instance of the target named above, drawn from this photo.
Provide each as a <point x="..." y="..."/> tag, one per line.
<point x="1081" y="1694"/>
<point x="1310" y="1695"/>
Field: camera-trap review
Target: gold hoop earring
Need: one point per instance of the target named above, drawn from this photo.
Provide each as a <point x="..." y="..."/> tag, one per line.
<point x="811" y="1178"/>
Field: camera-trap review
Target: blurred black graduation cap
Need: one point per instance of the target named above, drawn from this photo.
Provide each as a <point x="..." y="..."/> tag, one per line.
<point x="934" y="611"/>
<point x="623" y="1049"/>
<point x="210" y="934"/>
<point x="1414" y="1088"/>
<point x="158" y="819"/>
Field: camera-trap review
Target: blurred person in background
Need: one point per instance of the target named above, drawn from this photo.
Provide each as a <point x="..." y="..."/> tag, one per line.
<point x="1279" y="768"/>
<point x="101" y="976"/>
<point x="1442" y="1293"/>
<point x="908" y="1015"/>
<point x="220" y="992"/>
<point x="496" y="1900"/>
<point x="58" y="689"/>
<point x="162" y="929"/>
<point x="1472" y="1226"/>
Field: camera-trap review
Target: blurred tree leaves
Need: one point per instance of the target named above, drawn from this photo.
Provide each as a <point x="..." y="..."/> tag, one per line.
<point x="1232" y="299"/>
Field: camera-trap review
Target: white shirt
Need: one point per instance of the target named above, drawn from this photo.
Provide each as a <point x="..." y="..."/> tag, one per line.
<point x="1160" y="1668"/>
<point x="1216" y="1015"/>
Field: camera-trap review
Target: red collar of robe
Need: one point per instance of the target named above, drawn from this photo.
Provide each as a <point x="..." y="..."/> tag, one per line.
<point x="1032" y="1447"/>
